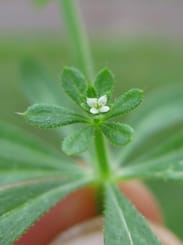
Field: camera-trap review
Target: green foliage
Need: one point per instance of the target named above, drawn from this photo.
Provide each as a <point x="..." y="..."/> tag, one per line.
<point x="78" y="142"/>
<point x="49" y="176"/>
<point x="51" y="116"/>
<point x="104" y="83"/>
<point x="170" y="148"/>
<point x="36" y="176"/>
<point x="74" y="84"/>
<point x="24" y="157"/>
<point x="39" y="85"/>
<point x="126" y="103"/>
<point x="123" y="223"/>
<point x="118" y="133"/>
<point x="163" y="169"/>
<point x="164" y="161"/>
<point x="16" y="214"/>
<point x="155" y="123"/>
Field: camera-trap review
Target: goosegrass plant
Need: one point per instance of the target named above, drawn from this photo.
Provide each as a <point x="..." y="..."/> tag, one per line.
<point x="97" y="148"/>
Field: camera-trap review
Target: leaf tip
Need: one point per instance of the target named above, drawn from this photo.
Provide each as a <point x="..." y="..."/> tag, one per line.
<point x="65" y="149"/>
<point x="140" y="91"/>
<point x="20" y="113"/>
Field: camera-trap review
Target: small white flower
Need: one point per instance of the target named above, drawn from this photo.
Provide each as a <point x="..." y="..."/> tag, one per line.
<point x="98" y="105"/>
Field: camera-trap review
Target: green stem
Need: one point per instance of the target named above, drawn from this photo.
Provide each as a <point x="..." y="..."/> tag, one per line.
<point x="102" y="159"/>
<point x="81" y="46"/>
<point x="78" y="36"/>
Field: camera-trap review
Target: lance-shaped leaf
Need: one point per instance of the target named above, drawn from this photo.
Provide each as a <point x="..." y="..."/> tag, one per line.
<point x="51" y="116"/>
<point x="118" y="133"/>
<point x="17" y="176"/>
<point x="21" y="206"/>
<point x="10" y="133"/>
<point x="154" y="122"/>
<point x="78" y="142"/>
<point x="104" y="83"/>
<point x="156" y="169"/>
<point x="39" y="85"/>
<point x="126" y="103"/>
<point x="169" y="146"/>
<point x="91" y="93"/>
<point x="23" y="156"/>
<point x="157" y="100"/>
<point x="74" y="84"/>
<point x="123" y="224"/>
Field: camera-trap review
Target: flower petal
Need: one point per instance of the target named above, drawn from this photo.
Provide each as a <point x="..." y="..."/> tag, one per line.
<point x="102" y="100"/>
<point x="92" y="102"/>
<point x="104" y="109"/>
<point x="93" y="110"/>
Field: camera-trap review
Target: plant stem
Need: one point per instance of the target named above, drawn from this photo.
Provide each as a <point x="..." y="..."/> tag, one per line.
<point x="102" y="159"/>
<point x="78" y="36"/>
<point x="81" y="46"/>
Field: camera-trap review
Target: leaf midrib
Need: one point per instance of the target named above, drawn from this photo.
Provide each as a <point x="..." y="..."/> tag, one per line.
<point x="24" y="204"/>
<point x="121" y="216"/>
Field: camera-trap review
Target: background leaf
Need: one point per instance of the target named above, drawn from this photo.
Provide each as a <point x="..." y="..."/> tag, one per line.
<point x="156" y="169"/>
<point x="104" y="83"/>
<point x="168" y="147"/>
<point x="51" y="116"/>
<point x="160" y="117"/>
<point x="40" y="86"/>
<point x="17" y="214"/>
<point x="11" y="176"/>
<point x="23" y="156"/>
<point x="74" y="84"/>
<point x="126" y="102"/>
<point x="123" y="224"/>
<point x="78" y="141"/>
<point x="118" y="133"/>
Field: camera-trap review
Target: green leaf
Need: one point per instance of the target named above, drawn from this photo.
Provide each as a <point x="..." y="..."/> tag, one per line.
<point x="164" y="161"/>
<point x="156" y="169"/>
<point x="19" y="148"/>
<point x="154" y="122"/>
<point x="13" y="134"/>
<point x="23" y="156"/>
<point x="51" y="116"/>
<point x="157" y="100"/>
<point x="123" y="224"/>
<point x="39" y="85"/>
<point x="126" y="103"/>
<point x="10" y="175"/>
<point x="74" y="84"/>
<point x="168" y="146"/>
<point x="104" y="83"/>
<point x="118" y="133"/>
<point x="78" y="142"/>
<point x="91" y="93"/>
<point x="21" y="206"/>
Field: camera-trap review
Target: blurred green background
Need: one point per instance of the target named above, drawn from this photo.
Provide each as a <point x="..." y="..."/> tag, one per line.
<point x="144" y="62"/>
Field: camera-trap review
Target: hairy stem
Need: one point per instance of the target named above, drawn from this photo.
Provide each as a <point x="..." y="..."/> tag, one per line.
<point x="81" y="47"/>
<point x="101" y="154"/>
<point x="78" y="37"/>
